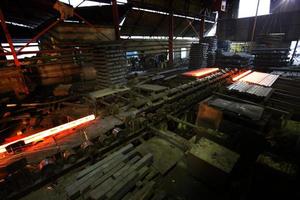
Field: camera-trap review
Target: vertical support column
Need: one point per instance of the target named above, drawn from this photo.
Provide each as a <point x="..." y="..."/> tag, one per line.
<point x="254" y="23"/>
<point x="294" y="52"/>
<point x="116" y="18"/>
<point x="171" y="36"/>
<point x="202" y="28"/>
<point x="9" y="40"/>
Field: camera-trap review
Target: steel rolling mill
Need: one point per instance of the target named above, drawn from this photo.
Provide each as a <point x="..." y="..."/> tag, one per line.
<point x="148" y="100"/>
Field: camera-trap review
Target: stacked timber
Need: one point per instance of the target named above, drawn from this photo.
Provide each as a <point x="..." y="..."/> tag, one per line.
<point x="271" y="51"/>
<point x="125" y="174"/>
<point x="198" y="55"/>
<point x="110" y="63"/>
<point x="212" y="47"/>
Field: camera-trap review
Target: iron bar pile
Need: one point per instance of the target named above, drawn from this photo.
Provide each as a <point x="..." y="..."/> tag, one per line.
<point x="287" y="74"/>
<point x="110" y="63"/>
<point x="115" y="176"/>
<point x="211" y="52"/>
<point x="260" y="78"/>
<point x="244" y="87"/>
<point x="198" y="55"/>
<point x="230" y="59"/>
<point x="271" y="51"/>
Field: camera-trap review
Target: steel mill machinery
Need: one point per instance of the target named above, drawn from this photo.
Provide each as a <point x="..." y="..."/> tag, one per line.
<point x="184" y="108"/>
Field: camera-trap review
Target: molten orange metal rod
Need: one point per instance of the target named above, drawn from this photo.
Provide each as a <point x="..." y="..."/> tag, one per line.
<point x="241" y="75"/>
<point x="200" y="72"/>
<point x="49" y="132"/>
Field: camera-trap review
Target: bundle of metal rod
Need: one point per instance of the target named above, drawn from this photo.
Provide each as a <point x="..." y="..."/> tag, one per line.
<point x="198" y="55"/>
<point x="244" y="87"/>
<point x="229" y="59"/>
<point x="271" y="51"/>
<point x="288" y="74"/>
<point x="110" y="64"/>
<point x="260" y="78"/>
<point x="211" y="52"/>
<point x="271" y="57"/>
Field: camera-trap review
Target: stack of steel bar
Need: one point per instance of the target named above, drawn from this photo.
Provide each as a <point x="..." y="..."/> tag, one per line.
<point x="212" y="47"/>
<point x="115" y="176"/>
<point x="198" y="55"/>
<point x="230" y="59"/>
<point x="271" y="57"/>
<point x="286" y="96"/>
<point x="287" y="74"/>
<point x="244" y="87"/>
<point x="110" y="64"/>
<point x="260" y="78"/>
<point x="271" y="51"/>
<point x="224" y="45"/>
<point x="270" y="40"/>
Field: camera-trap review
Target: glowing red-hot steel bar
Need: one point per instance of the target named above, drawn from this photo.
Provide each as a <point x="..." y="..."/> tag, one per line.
<point x="52" y="131"/>
<point x="200" y="72"/>
<point x="241" y="75"/>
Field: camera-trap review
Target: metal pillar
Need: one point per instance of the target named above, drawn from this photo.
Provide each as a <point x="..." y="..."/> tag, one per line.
<point x="294" y="52"/>
<point x="116" y="18"/>
<point x="9" y="39"/>
<point x="202" y="28"/>
<point x="171" y="36"/>
<point x="254" y="24"/>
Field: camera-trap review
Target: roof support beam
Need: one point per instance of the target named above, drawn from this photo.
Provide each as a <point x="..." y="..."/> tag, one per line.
<point x="21" y="87"/>
<point x="116" y="18"/>
<point x="171" y="35"/>
<point x="9" y="39"/>
<point x="39" y="35"/>
<point x="202" y="28"/>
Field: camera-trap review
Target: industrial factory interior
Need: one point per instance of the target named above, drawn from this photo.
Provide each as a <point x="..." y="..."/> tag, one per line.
<point x="150" y="99"/>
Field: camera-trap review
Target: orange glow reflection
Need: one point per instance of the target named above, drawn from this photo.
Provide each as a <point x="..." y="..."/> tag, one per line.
<point x="200" y="72"/>
<point x="241" y="75"/>
<point x="52" y="131"/>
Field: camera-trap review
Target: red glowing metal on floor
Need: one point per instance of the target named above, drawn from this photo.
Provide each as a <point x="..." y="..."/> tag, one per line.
<point x="200" y="72"/>
<point x="49" y="132"/>
<point x="241" y="75"/>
